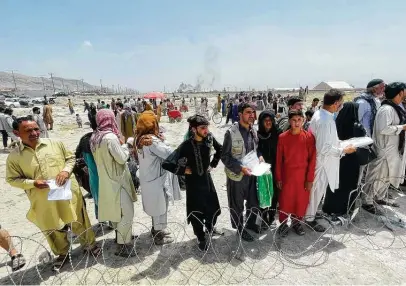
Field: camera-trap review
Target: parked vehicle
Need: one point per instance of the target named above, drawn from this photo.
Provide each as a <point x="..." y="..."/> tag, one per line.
<point x="25" y="102"/>
<point x="11" y="102"/>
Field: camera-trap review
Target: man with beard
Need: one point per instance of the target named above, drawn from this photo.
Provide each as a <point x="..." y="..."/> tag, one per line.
<point x="239" y="140"/>
<point x="329" y="152"/>
<point x="29" y="167"/>
<point x="389" y="145"/>
<point x="369" y="104"/>
<point x="294" y="103"/>
<point x="192" y="159"/>
<point x="41" y="124"/>
<point x="268" y="134"/>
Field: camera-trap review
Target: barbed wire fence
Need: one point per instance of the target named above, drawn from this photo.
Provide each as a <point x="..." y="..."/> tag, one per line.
<point x="228" y="260"/>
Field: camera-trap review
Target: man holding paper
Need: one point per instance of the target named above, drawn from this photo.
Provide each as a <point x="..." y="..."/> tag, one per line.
<point x="328" y="155"/>
<point x="239" y="141"/>
<point x="29" y="167"/>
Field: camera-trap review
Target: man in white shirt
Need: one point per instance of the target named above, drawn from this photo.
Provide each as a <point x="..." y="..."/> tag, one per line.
<point x="328" y="153"/>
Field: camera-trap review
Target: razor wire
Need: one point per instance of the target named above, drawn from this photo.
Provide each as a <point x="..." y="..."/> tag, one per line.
<point x="228" y="260"/>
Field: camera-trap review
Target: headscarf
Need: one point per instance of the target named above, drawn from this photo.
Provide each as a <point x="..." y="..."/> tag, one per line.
<point x="391" y="91"/>
<point x="268" y="141"/>
<point x="147" y="124"/>
<point x="127" y="110"/>
<point x="347" y="117"/>
<point x="106" y="123"/>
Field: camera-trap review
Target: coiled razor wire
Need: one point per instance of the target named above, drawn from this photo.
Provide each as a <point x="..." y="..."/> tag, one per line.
<point x="228" y="260"/>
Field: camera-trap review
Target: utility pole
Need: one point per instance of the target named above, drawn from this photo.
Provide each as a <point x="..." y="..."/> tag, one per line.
<point x="83" y="85"/>
<point x="52" y="78"/>
<point x="63" y="85"/>
<point x="112" y="87"/>
<point x="101" y="86"/>
<point x="77" y="86"/>
<point x="14" y="80"/>
<point x="43" y="83"/>
<point x="118" y="88"/>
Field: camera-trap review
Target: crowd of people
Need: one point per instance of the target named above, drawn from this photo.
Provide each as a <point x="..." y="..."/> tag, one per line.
<point x="309" y="166"/>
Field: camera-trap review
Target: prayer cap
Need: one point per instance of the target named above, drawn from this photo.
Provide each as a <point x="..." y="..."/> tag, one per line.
<point x="197" y="120"/>
<point x="393" y="89"/>
<point x="374" y="82"/>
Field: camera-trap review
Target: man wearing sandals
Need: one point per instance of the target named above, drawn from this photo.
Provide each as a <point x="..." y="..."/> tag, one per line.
<point x="17" y="259"/>
<point x="28" y="167"/>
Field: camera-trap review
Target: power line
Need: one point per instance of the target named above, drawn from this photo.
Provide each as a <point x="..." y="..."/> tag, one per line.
<point x="52" y="78"/>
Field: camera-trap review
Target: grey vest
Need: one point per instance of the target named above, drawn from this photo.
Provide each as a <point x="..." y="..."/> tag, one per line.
<point x="238" y="150"/>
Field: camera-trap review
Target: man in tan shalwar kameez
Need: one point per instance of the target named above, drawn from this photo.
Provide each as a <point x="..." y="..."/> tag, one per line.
<point x="47" y="116"/>
<point x="28" y="167"/>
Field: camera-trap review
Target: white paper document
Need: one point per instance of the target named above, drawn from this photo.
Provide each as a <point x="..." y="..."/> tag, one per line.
<point x="260" y="169"/>
<point x="251" y="161"/>
<point x="59" y="193"/>
<point x="357" y="142"/>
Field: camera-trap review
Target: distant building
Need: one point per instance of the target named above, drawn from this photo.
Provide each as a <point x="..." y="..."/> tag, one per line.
<point x="327" y="85"/>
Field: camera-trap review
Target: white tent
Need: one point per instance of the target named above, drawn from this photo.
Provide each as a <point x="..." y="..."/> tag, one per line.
<point x="326" y="85"/>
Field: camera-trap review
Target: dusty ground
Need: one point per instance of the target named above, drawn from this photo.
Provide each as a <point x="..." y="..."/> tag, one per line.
<point x="366" y="252"/>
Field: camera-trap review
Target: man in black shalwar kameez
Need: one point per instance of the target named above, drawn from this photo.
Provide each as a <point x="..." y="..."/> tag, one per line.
<point x="192" y="159"/>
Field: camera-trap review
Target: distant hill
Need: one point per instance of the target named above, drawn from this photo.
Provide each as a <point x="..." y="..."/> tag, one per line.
<point x="28" y="83"/>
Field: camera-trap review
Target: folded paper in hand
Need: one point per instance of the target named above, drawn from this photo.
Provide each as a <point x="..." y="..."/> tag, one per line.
<point x="357" y="142"/>
<point x="59" y="193"/>
<point x="257" y="168"/>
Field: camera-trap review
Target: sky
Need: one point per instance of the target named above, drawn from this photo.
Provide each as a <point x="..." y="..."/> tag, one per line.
<point x="154" y="45"/>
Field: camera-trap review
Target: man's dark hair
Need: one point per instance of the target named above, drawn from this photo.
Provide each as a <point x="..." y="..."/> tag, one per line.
<point x="120" y="104"/>
<point x="19" y="120"/>
<point x="332" y="96"/>
<point x="243" y="106"/>
<point x="2" y="109"/>
<point x="92" y="121"/>
<point x="8" y="111"/>
<point x="309" y="113"/>
<point x="292" y="113"/>
<point x="293" y="100"/>
<point x="316" y="99"/>
<point x="35" y="109"/>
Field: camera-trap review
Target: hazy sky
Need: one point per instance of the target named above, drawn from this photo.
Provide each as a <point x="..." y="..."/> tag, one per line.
<point x="149" y="44"/>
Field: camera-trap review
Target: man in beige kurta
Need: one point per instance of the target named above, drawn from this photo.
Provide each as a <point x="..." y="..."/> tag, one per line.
<point x="28" y="167"/>
<point x="47" y="116"/>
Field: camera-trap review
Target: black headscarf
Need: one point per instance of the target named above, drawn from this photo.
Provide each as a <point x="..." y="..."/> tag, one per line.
<point x="268" y="141"/>
<point x="346" y="120"/>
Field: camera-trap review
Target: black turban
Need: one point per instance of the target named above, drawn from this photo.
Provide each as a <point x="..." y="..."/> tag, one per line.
<point x="197" y="120"/>
<point x="374" y="82"/>
<point x="393" y="89"/>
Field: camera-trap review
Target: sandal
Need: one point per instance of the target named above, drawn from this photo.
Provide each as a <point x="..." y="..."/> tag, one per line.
<point x="125" y="250"/>
<point x="59" y="262"/>
<point x="17" y="262"/>
<point x="94" y="250"/>
<point x="386" y="203"/>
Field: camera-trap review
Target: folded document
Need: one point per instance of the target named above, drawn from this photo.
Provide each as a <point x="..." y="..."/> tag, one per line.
<point x="59" y="193"/>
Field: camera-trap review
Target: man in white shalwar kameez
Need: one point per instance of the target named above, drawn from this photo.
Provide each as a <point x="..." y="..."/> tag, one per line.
<point x="389" y="144"/>
<point x="328" y="153"/>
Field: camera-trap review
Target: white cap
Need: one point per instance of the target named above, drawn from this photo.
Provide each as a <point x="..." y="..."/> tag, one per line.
<point x="130" y="141"/>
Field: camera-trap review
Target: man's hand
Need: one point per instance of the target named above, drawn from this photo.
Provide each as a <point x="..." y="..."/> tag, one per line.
<point x="61" y="178"/>
<point x="261" y="159"/>
<point x="349" y="149"/>
<point x="41" y="184"/>
<point x="121" y="138"/>
<point x="308" y="186"/>
<point x="246" y="171"/>
<point x="209" y="169"/>
<point x="404" y="127"/>
<point x="279" y="185"/>
<point x="188" y="171"/>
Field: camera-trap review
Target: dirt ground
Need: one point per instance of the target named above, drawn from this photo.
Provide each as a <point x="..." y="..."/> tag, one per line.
<point x="366" y="251"/>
